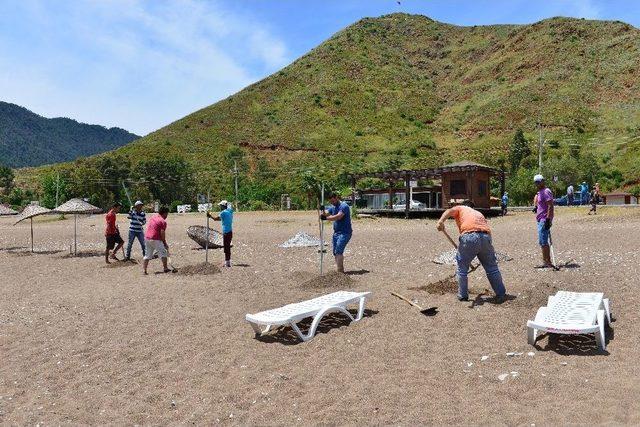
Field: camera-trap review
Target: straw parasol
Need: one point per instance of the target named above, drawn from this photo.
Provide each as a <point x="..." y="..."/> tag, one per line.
<point x="28" y="213"/>
<point x="75" y="207"/>
<point x="6" y="210"/>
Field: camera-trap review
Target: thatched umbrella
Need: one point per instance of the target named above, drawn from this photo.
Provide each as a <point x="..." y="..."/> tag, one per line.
<point x="75" y="207"/>
<point x="28" y="213"/>
<point x="6" y="210"/>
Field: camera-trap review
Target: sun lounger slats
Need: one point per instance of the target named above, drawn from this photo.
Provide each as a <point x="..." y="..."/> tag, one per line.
<point x="291" y="314"/>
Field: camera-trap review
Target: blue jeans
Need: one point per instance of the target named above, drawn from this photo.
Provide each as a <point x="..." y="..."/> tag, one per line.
<point x="340" y="243"/>
<point x="478" y="245"/>
<point x="543" y="234"/>
<point x="133" y="235"/>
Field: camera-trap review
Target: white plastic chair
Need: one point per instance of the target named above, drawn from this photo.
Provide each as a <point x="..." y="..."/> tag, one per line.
<point x="572" y="313"/>
<point x="292" y="314"/>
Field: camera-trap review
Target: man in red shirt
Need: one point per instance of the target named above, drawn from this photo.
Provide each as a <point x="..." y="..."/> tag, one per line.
<point x="156" y="240"/>
<point x="112" y="233"/>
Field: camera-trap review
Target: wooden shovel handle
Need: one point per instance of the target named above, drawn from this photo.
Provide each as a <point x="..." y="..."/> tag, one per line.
<point x="473" y="267"/>
<point x="403" y="298"/>
<point x="450" y="239"/>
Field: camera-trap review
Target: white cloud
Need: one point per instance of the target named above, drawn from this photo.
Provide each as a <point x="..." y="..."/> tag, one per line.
<point x="584" y="9"/>
<point x="131" y="63"/>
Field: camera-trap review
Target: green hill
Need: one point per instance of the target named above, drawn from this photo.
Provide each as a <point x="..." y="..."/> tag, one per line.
<point x="404" y="91"/>
<point x="27" y="139"/>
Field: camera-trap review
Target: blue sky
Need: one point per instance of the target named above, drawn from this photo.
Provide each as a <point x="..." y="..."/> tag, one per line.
<point x="143" y="64"/>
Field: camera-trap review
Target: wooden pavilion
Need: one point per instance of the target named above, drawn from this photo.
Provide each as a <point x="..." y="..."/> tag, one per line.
<point x="459" y="181"/>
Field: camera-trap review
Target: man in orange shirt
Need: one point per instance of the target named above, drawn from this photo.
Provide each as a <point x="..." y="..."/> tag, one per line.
<point x="112" y="233"/>
<point x="475" y="241"/>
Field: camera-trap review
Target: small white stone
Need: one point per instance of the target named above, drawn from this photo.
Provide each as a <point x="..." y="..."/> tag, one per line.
<point x="483" y="358"/>
<point x="531" y="354"/>
<point x="503" y="377"/>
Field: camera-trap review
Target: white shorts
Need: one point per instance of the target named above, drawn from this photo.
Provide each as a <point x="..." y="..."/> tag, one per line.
<point x="154" y="247"/>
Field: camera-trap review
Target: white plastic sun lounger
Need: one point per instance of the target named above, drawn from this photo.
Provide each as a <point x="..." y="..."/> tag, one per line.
<point x="291" y="314"/>
<point x="572" y="313"/>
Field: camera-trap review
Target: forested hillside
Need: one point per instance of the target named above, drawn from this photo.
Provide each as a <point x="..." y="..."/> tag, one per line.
<point x="404" y="91"/>
<point x="27" y="139"/>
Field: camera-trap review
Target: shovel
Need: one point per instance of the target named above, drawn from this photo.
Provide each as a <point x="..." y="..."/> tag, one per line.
<point x="173" y="269"/>
<point x="431" y="311"/>
<point x="553" y="255"/>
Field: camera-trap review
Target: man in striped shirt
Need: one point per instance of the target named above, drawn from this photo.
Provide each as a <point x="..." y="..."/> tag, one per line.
<point x="137" y="221"/>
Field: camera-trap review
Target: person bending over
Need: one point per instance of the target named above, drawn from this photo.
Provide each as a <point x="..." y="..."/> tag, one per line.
<point x="156" y="239"/>
<point x="474" y="241"/>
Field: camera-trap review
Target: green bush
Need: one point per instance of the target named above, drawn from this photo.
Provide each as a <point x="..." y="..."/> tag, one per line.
<point x="257" y="205"/>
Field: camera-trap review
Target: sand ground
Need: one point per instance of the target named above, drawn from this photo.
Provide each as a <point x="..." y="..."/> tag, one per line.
<point x="81" y="343"/>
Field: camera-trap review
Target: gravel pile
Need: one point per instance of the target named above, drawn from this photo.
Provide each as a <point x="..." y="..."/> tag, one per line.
<point x="199" y="269"/>
<point x="328" y="280"/>
<point x="301" y="240"/>
<point x="449" y="257"/>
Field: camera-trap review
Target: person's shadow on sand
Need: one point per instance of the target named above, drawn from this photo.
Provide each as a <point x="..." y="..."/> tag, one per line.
<point x="286" y="336"/>
<point x="360" y="272"/>
<point x="485" y="297"/>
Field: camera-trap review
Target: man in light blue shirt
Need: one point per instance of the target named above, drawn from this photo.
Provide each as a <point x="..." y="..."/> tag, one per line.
<point x="340" y="214"/>
<point x="226" y="218"/>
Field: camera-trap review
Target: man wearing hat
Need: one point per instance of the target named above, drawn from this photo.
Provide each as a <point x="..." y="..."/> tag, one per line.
<point x="544" y="218"/>
<point x="226" y="217"/>
<point x="137" y="220"/>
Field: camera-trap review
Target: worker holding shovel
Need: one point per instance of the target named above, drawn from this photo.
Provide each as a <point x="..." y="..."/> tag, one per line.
<point x="340" y="214"/>
<point x="226" y="217"/>
<point x="544" y="218"/>
<point x="475" y="241"/>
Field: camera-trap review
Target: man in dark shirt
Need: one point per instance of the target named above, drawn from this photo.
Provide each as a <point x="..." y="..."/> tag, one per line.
<point x="340" y="214"/>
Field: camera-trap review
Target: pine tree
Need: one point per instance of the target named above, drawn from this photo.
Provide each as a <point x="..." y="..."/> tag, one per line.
<point x="518" y="150"/>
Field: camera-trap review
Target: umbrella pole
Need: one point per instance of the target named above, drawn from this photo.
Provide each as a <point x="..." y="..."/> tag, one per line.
<point x="206" y="245"/>
<point x="75" y="234"/>
<point x="31" y="234"/>
<point x="322" y="232"/>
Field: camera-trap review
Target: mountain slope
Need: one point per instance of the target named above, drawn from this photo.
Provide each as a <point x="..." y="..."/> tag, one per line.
<point x="27" y="139"/>
<point x="404" y="91"/>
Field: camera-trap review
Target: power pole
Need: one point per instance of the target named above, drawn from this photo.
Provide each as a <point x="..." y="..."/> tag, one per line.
<point x="235" y="174"/>
<point x="540" y="144"/>
<point x="57" y="188"/>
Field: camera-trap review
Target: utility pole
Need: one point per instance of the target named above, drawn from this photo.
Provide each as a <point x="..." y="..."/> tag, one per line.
<point x="540" y="144"/>
<point x="57" y="188"/>
<point x="235" y="174"/>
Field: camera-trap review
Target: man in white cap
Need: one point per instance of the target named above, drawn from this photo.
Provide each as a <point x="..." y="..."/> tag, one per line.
<point x="544" y="218"/>
<point x="226" y="217"/>
<point x="137" y="220"/>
